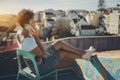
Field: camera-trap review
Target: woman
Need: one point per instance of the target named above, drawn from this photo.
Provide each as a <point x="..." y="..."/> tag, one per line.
<point x="46" y="59"/>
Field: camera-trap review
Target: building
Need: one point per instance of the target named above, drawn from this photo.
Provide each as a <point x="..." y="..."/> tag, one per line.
<point x="48" y="16"/>
<point x="112" y="22"/>
<point x="60" y="13"/>
<point x="38" y="16"/>
<point x="73" y="14"/>
<point x="93" y="18"/>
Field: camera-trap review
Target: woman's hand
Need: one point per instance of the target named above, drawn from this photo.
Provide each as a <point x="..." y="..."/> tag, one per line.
<point x="34" y="33"/>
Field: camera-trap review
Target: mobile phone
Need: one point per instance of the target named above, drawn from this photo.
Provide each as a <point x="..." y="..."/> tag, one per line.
<point x="28" y="27"/>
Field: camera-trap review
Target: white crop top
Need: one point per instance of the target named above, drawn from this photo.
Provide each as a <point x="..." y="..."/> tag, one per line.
<point x="29" y="44"/>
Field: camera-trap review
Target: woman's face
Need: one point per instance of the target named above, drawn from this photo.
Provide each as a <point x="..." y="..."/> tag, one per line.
<point x="32" y="22"/>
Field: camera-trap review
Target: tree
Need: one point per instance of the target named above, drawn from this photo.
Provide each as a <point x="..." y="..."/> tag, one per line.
<point x="64" y="27"/>
<point x="101" y="4"/>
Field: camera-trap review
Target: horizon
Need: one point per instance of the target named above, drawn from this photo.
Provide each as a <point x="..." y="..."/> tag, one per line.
<point x="14" y="6"/>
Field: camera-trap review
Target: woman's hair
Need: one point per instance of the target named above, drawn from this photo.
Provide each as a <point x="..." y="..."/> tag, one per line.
<point x="24" y="16"/>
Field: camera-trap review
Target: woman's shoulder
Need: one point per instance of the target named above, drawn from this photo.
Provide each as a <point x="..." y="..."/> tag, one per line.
<point x="28" y="39"/>
<point x="28" y="44"/>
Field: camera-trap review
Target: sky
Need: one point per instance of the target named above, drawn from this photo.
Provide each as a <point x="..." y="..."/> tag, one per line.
<point x="14" y="6"/>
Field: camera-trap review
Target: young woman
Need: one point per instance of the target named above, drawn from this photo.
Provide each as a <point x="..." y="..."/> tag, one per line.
<point x="46" y="59"/>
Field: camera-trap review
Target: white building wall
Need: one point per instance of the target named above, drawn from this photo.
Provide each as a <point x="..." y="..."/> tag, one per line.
<point x="38" y="15"/>
<point x="112" y="22"/>
<point x="93" y="18"/>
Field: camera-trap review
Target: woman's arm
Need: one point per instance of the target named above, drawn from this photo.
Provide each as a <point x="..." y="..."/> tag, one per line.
<point x="37" y="51"/>
<point x="39" y="44"/>
<point x="35" y="34"/>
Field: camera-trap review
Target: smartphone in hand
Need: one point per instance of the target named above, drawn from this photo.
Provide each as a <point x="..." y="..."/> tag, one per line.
<point x="28" y="27"/>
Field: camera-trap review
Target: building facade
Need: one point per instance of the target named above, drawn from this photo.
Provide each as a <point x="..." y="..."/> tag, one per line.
<point x="112" y="22"/>
<point x="93" y="18"/>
